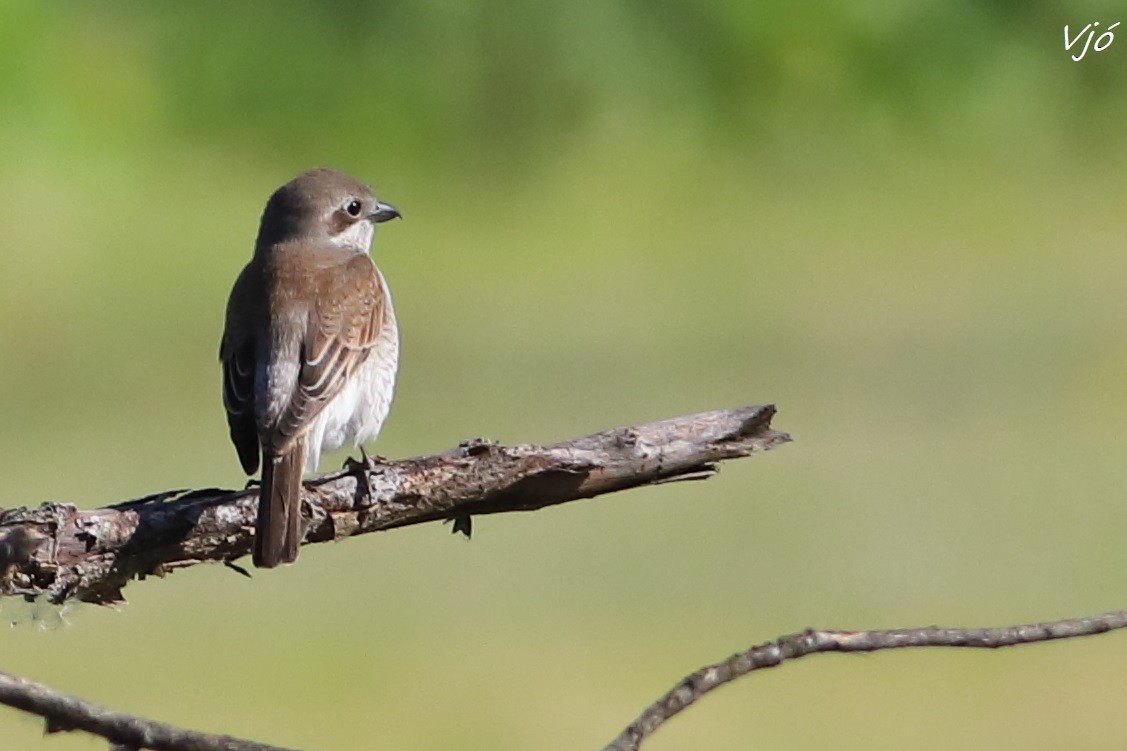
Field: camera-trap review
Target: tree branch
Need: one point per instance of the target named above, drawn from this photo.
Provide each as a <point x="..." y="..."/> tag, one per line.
<point x="64" y="712"/>
<point x="769" y="655"/>
<point x="60" y="552"/>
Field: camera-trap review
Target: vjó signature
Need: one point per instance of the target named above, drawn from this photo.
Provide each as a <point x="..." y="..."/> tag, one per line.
<point x="1105" y="39"/>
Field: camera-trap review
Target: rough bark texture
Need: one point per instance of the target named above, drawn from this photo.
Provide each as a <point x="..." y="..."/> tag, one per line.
<point x="60" y="552"/>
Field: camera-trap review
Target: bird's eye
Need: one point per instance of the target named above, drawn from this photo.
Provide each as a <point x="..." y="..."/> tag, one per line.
<point x="353" y="208"/>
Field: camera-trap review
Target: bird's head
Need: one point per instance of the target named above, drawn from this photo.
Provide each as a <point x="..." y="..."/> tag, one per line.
<point x="325" y="205"/>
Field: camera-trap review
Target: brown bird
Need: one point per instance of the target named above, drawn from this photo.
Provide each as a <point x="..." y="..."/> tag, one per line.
<point x="310" y="346"/>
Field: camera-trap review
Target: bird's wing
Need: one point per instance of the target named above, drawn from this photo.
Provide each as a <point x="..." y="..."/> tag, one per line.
<point x="236" y="352"/>
<point x="344" y="324"/>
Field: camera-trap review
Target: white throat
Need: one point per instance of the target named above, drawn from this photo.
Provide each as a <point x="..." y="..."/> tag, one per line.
<point x="356" y="237"/>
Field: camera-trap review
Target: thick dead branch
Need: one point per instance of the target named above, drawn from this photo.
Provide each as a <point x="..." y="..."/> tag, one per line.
<point x="694" y="686"/>
<point x="63" y="713"/>
<point x="60" y="552"/>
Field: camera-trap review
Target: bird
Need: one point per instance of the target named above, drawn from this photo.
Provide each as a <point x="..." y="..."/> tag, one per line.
<point x="310" y="344"/>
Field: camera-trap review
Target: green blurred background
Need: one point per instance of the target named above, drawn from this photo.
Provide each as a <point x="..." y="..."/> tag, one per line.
<point x="899" y="221"/>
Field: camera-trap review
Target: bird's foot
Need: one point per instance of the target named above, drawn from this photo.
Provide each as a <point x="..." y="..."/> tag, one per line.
<point x="362" y="468"/>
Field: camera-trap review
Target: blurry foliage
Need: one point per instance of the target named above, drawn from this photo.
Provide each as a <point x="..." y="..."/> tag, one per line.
<point x="498" y="79"/>
<point x="895" y="219"/>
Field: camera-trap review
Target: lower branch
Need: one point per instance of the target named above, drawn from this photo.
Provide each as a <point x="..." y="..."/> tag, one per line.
<point x="771" y="654"/>
<point x="64" y="712"/>
<point x="60" y="552"/>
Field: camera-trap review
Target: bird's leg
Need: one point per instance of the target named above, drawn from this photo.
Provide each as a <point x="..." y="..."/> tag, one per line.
<point x="361" y="467"/>
<point x="371" y="460"/>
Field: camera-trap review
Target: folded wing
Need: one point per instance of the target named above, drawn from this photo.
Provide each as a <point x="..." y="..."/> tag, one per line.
<point x="343" y="326"/>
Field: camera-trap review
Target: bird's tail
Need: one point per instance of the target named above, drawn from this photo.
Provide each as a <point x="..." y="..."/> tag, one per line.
<point x="277" y="532"/>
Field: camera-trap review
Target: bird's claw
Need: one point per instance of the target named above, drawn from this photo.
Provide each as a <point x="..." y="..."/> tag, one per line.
<point x="361" y="468"/>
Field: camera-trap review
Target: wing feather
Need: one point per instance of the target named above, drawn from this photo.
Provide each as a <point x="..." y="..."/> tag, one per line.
<point x="343" y="326"/>
<point x="237" y="354"/>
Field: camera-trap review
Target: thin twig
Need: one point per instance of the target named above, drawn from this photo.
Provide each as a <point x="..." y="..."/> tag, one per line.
<point x="695" y="685"/>
<point x="67" y="713"/>
<point x="64" y="712"/>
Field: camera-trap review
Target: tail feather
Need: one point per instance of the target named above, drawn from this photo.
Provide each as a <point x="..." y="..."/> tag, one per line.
<point x="277" y="533"/>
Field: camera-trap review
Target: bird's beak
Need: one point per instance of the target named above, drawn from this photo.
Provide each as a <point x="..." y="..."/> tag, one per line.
<point x="384" y="212"/>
